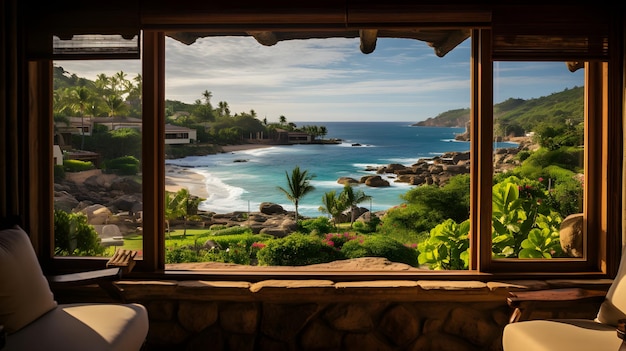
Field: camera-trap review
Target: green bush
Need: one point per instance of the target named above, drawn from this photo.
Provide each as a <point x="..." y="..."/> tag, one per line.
<point x="297" y="250"/>
<point x="425" y="207"/>
<point x="126" y="165"/>
<point x="523" y="155"/>
<point x="231" y="230"/>
<point x="319" y="226"/>
<point x="77" y="165"/>
<point x="74" y="236"/>
<point x="226" y="241"/>
<point x="570" y="158"/>
<point x="366" y="227"/>
<point x="180" y="255"/>
<point x="337" y="240"/>
<point x="380" y="246"/>
<point x="447" y="247"/>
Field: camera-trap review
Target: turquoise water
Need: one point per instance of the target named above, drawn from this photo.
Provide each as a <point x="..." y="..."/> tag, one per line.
<point x="242" y="186"/>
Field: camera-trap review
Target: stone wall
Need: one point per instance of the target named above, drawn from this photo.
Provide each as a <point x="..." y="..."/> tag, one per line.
<point x="324" y="315"/>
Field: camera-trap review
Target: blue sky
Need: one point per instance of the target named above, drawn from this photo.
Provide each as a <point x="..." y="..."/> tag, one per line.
<point x="331" y="80"/>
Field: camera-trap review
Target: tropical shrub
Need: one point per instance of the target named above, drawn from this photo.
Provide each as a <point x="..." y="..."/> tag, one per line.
<point x="231" y="230"/>
<point x="380" y="246"/>
<point x="318" y="226"/>
<point x="180" y="254"/>
<point x="226" y="241"/>
<point x="74" y="236"/>
<point x="297" y="250"/>
<point x="337" y="240"/>
<point x="447" y="247"/>
<point x="425" y="207"/>
<point x="519" y="207"/>
<point x="126" y="165"/>
<point x="237" y="253"/>
<point x="77" y="165"/>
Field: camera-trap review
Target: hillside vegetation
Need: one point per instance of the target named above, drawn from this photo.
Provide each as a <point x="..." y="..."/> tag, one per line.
<point x="514" y="117"/>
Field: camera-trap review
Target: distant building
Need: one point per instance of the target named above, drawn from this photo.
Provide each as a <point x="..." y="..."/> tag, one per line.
<point x="288" y="137"/>
<point x="78" y="125"/>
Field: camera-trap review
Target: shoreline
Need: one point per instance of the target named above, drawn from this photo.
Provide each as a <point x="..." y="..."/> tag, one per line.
<point x="177" y="177"/>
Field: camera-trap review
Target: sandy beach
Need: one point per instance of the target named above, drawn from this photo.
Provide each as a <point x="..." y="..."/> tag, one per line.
<point x="177" y="177"/>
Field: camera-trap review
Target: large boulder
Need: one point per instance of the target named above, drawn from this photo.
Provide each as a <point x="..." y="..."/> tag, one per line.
<point x="97" y="214"/>
<point x="270" y="208"/>
<point x="347" y="180"/>
<point x="126" y="185"/>
<point x="394" y="167"/>
<point x="571" y="235"/>
<point x="64" y="201"/>
<point x="129" y="203"/>
<point x="376" y="181"/>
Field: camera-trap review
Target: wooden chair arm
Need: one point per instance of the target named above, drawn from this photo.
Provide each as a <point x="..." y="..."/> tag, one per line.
<point x="524" y="302"/>
<point x="103" y="277"/>
<point x="84" y="278"/>
<point x="121" y="263"/>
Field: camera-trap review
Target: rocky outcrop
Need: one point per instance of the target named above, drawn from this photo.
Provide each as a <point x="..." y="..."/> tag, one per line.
<point x="269" y="208"/>
<point x="438" y="170"/>
<point x="374" y="181"/>
<point x="347" y="180"/>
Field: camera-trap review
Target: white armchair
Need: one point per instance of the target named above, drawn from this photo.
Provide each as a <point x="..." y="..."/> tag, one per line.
<point x="605" y="332"/>
<point x="32" y="320"/>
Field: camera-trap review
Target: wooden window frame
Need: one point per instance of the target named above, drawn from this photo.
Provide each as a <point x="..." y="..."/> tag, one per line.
<point x="603" y="107"/>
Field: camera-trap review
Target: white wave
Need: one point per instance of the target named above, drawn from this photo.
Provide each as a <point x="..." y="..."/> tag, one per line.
<point x="403" y="161"/>
<point x="222" y="197"/>
<point x="368" y="165"/>
<point x="353" y="144"/>
<point x="325" y="184"/>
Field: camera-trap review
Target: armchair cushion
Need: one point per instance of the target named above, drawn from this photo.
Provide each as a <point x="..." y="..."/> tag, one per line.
<point x="86" y="326"/>
<point x="24" y="291"/>
<point x="614" y="306"/>
<point x="564" y="334"/>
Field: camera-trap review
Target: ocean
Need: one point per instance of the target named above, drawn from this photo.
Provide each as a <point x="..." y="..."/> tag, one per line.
<point x="240" y="181"/>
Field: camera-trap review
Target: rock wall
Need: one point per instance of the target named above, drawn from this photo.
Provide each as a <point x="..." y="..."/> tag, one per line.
<point x="324" y="315"/>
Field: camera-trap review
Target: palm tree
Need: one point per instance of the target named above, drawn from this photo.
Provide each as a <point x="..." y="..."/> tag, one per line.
<point x="180" y="205"/>
<point x="352" y="199"/>
<point x="299" y="184"/>
<point x="282" y="119"/>
<point x="323" y="131"/>
<point x="79" y="101"/>
<point x="332" y="205"/>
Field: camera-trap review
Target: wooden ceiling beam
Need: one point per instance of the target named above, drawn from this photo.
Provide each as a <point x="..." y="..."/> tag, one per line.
<point x="368" y="40"/>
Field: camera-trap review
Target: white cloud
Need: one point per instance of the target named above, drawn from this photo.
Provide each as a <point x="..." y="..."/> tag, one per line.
<point x="330" y="79"/>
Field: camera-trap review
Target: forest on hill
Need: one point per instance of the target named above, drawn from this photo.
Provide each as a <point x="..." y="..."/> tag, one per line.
<point x="515" y="117"/>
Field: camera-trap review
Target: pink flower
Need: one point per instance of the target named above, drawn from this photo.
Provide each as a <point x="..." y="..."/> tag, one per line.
<point x="540" y="179"/>
<point x="258" y="245"/>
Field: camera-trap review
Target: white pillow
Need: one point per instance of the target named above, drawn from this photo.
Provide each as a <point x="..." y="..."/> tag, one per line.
<point x="24" y="291"/>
